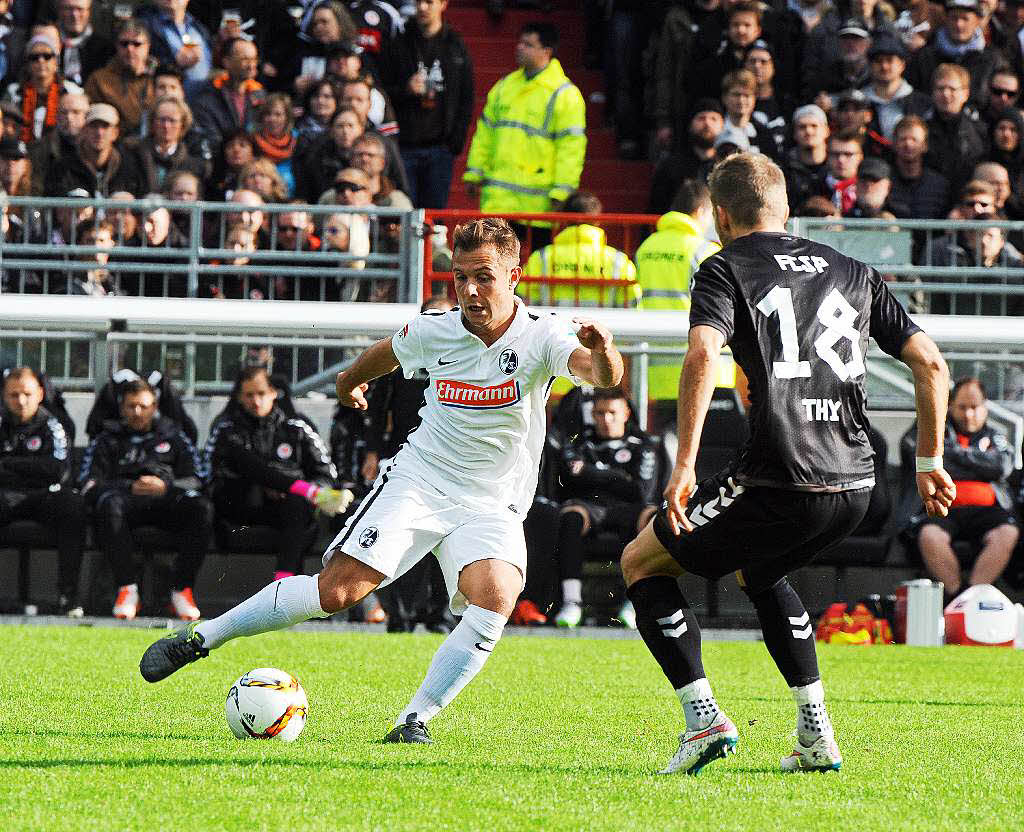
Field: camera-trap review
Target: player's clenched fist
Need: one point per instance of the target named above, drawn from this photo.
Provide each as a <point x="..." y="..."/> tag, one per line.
<point x="937" y="492"/>
<point x="349" y="396"/>
<point x="593" y="334"/>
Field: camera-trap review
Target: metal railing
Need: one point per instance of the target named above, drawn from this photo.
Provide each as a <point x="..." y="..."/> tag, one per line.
<point x="187" y="249"/>
<point x="921" y="260"/>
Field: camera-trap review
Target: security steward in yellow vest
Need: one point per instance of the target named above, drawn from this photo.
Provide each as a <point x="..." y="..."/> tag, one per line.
<point x="530" y="141"/>
<point x="579" y="251"/>
<point x="665" y="263"/>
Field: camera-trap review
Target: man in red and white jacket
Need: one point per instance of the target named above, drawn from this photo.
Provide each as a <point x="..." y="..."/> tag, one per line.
<point x="979" y="459"/>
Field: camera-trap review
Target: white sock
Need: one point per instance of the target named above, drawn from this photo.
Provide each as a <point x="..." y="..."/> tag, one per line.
<point x="276" y="606"/>
<point x="699" y="705"/>
<point x="811" y="717"/>
<point x="455" y="663"/>
<point x="572" y="591"/>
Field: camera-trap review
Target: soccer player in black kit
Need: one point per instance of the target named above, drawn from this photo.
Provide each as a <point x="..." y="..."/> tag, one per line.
<point x="797" y="316"/>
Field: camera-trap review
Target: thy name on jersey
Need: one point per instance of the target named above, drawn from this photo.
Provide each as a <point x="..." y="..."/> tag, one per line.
<point x="821" y="410"/>
<point x="801" y="263"/>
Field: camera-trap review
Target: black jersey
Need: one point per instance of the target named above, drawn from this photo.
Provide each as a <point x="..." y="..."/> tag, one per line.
<point x="797" y="316"/>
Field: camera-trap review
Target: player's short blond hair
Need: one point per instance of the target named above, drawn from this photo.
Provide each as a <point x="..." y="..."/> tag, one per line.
<point x="750" y="187"/>
<point x="487" y="231"/>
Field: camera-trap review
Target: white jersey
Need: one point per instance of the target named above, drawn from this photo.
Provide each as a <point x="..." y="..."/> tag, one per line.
<point x="483" y="423"/>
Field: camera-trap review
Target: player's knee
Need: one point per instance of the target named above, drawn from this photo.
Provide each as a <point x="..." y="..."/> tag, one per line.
<point x="492" y="585"/>
<point x="634" y="563"/>
<point x="346" y="581"/>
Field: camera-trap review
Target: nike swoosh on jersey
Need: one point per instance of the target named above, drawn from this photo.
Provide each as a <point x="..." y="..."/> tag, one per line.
<point x="480" y="646"/>
<point x="444" y="363"/>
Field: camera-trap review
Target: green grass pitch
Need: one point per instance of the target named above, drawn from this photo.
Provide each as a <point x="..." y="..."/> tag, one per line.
<point x="554" y="734"/>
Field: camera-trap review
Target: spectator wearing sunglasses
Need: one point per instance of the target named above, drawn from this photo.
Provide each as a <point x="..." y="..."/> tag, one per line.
<point x="40" y="86"/>
<point x="349" y="232"/>
<point x="1003" y="94"/>
<point x="126" y="82"/>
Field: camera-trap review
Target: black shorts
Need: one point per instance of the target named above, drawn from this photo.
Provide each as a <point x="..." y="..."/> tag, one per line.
<point x="762" y="533"/>
<point x="970" y="523"/>
<point x="611" y="516"/>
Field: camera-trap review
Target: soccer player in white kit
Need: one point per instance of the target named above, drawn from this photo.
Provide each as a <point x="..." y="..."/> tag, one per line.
<point x="459" y="488"/>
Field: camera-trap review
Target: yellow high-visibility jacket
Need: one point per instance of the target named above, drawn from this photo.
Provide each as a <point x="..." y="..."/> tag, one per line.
<point x="665" y="263"/>
<point x="530" y="142"/>
<point x="579" y="251"/>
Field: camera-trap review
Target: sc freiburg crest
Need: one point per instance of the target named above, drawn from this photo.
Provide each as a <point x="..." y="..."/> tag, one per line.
<point x="508" y="362"/>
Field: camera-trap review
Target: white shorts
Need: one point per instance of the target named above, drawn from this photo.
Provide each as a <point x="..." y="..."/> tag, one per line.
<point x="403" y="519"/>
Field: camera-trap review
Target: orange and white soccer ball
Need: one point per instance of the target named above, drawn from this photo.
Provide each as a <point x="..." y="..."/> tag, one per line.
<point x="267" y="704"/>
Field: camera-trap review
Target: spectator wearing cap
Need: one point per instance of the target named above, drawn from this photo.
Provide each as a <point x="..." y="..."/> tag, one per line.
<point x="739" y="95"/>
<point x="957" y="138"/>
<point x="178" y="38"/>
<point x="40" y="87"/>
<point x="889" y="92"/>
<point x="98" y="166"/>
<point x="429" y="77"/>
<point x="849" y="70"/>
<point x="13" y="120"/>
<point x="731" y="140"/>
<point x="853" y="113"/>
<point x="126" y="82"/>
<point x="15" y="167"/>
<point x="772" y="108"/>
<point x="84" y="49"/>
<point x="806" y="165"/>
<point x="229" y="101"/>
<point x="693" y="160"/>
<point x="1007" y="149"/>
<point x="874" y="183"/>
<point x="918" y="192"/>
<point x="60" y="143"/>
<point x="1003" y="93"/>
<point x="845" y="154"/>
<point x="822" y="41"/>
<point x="960" y="41"/>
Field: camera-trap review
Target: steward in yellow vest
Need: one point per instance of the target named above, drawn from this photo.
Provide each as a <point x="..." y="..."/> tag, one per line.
<point x="580" y="251"/>
<point x="530" y="140"/>
<point x="665" y="263"/>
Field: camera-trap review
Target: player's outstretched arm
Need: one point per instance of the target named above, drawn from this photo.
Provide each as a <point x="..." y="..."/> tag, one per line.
<point x="375" y="361"/>
<point x="598" y="362"/>
<point x="696" y="386"/>
<point x="931" y="390"/>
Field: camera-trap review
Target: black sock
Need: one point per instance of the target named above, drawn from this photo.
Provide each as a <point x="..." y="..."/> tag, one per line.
<point x="788" y="632"/>
<point x="570" y="545"/>
<point x="669" y="628"/>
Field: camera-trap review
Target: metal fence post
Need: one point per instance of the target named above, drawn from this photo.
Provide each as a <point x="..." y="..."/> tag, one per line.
<point x="195" y="240"/>
<point x="414" y="234"/>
